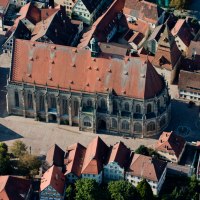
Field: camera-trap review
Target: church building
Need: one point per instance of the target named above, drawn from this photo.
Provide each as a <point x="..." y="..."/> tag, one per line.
<point x="94" y="90"/>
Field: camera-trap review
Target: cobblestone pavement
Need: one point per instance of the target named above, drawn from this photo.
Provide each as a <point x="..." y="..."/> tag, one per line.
<point x="41" y="136"/>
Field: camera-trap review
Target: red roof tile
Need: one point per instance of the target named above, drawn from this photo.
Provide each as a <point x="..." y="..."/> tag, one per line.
<point x="55" y="178"/>
<point x="13" y="188"/>
<point x="120" y="154"/>
<point x="47" y="60"/>
<point x="74" y="159"/>
<point x="4" y="4"/>
<point x="95" y="157"/>
<point x="171" y="143"/>
<point x="147" y="167"/>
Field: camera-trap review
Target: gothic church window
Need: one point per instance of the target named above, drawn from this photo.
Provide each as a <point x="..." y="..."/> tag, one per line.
<point x="138" y="108"/>
<point x="76" y="107"/>
<point x="16" y="99"/>
<point x="64" y="106"/>
<point x="115" y="107"/>
<point x="87" y="122"/>
<point x="125" y="125"/>
<point x="103" y="103"/>
<point x="41" y="103"/>
<point x="89" y="103"/>
<point x="151" y="126"/>
<point x="137" y="127"/>
<point x="126" y="106"/>
<point x="149" y="108"/>
<point x="53" y="102"/>
<point x="30" y="101"/>
<point x="114" y="123"/>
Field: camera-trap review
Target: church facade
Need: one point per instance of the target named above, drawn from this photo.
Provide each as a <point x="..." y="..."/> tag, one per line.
<point x="120" y="96"/>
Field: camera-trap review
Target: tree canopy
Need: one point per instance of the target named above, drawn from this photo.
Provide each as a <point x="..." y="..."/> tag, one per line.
<point x="86" y="189"/>
<point x="122" y="190"/>
<point x="18" y="148"/>
<point x="145" y="190"/>
<point x="4" y="159"/>
<point x="146" y="151"/>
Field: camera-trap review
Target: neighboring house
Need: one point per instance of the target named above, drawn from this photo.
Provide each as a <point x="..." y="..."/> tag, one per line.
<point x="144" y="10"/>
<point x="15" y="188"/>
<point x="19" y="31"/>
<point x="56" y="29"/>
<point x="105" y="27"/>
<point x="74" y="161"/>
<point x="168" y="55"/>
<point x="140" y="107"/>
<point x="170" y="146"/>
<point x="88" y="11"/>
<point x="145" y="167"/>
<point x="55" y="156"/>
<point x="69" y="5"/>
<point x="52" y="184"/>
<point x="4" y="4"/>
<point x="189" y="85"/>
<point x="18" y="3"/>
<point x="117" y="163"/>
<point x="183" y="35"/>
<point x="189" y="77"/>
<point x="94" y="160"/>
<point x="152" y="42"/>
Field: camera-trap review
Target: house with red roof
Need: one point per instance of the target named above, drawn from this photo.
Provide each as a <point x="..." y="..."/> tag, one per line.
<point x="52" y="184"/>
<point x="4" y="4"/>
<point x="74" y="159"/>
<point x="183" y="34"/>
<point x="15" y="188"/>
<point x="170" y="146"/>
<point x="94" y="160"/>
<point x="146" y="167"/>
<point x="117" y="163"/>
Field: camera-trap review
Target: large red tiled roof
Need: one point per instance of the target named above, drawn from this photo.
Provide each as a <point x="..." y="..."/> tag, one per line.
<point x="74" y="159"/>
<point x="144" y="10"/>
<point x="69" y="68"/>
<point x="171" y="143"/>
<point x="55" y="178"/>
<point x="13" y="188"/>
<point x="95" y="157"/>
<point x="120" y="154"/>
<point x="55" y="156"/>
<point x="147" y="167"/>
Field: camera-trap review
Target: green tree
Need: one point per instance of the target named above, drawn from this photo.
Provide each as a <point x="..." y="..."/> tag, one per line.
<point x="29" y="165"/>
<point x="18" y="148"/>
<point x="4" y="159"/>
<point x="69" y="192"/>
<point x="86" y="189"/>
<point x="146" y="151"/>
<point x="145" y="190"/>
<point x="122" y="190"/>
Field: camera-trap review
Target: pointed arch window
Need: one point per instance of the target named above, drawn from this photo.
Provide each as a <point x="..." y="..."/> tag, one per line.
<point x="125" y="125"/>
<point x="41" y="103"/>
<point x="16" y="99"/>
<point x="30" y="101"/>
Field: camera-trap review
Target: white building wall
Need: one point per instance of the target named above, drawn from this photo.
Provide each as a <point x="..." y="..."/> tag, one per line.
<point x="112" y="171"/>
<point x="96" y="177"/>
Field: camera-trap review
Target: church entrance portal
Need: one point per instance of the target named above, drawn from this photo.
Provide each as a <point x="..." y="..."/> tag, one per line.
<point x="52" y="118"/>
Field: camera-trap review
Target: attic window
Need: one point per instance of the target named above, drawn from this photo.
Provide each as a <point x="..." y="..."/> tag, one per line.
<point x="109" y="70"/>
<point x="107" y="89"/>
<point x="94" y="59"/>
<point x="142" y="76"/>
<point x="97" y="69"/>
<point x="31" y="58"/>
<point x="52" y="62"/>
<point x="87" y="84"/>
<point x="29" y="75"/>
<point x="98" y="79"/>
<point x="89" y="67"/>
<point x="73" y="65"/>
<point x="50" y="78"/>
<point x="72" y="82"/>
<point x="125" y="73"/>
<point x="124" y="91"/>
<point x="33" y="44"/>
<point x="74" y="50"/>
<point x="53" y="47"/>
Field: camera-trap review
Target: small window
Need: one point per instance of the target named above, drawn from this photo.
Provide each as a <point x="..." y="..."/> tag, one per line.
<point x="30" y="101"/>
